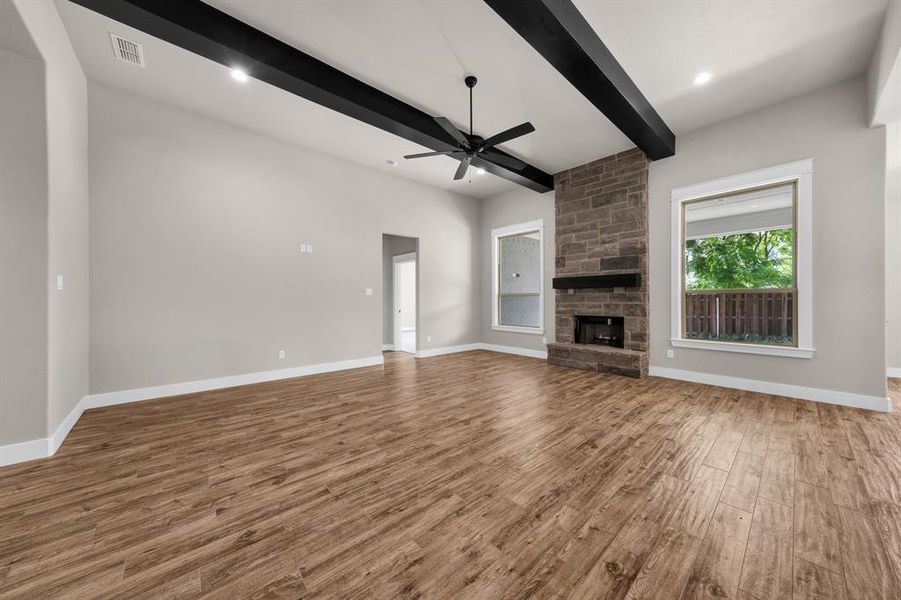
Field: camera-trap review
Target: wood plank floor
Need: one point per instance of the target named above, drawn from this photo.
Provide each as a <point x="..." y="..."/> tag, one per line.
<point x="474" y="475"/>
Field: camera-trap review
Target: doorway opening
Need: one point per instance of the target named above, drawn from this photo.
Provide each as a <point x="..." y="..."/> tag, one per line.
<point x="405" y="302"/>
<point x="401" y="294"/>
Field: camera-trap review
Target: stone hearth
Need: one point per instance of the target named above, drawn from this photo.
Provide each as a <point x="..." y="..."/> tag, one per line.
<point x="602" y="229"/>
<point x="631" y="363"/>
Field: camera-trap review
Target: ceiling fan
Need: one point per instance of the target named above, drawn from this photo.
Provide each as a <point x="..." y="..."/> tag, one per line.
<point x="470" y="146"/>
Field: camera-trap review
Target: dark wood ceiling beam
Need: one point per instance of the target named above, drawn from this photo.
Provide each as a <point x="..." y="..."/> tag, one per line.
<point x="213" y="34"/>
<point x="559" y="32"/>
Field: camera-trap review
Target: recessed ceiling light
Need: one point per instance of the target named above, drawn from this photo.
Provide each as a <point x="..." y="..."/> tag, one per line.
<point x="703" y="77"/>
<point x="239" y="75"/>
<point x="391" y="163"/>
<point x="480" y="171"/>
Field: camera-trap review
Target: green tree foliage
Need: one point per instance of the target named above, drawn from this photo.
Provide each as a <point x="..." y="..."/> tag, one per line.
<point x="761" y="259"/>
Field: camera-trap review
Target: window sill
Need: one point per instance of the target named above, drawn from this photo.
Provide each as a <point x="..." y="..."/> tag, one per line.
<point x="744" y="348"/>
<point x="514" y="329"/>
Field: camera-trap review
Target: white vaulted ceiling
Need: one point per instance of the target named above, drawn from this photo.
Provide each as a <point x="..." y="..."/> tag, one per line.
<point x="759" y="52"/>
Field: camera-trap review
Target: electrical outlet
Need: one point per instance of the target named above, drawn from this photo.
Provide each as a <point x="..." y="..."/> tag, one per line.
<point x="368" y="291"/>
<point x="281" y="354"/>
<point x="544" y="340"/>
<point x="670" y="353"/>
<point x="310" y="248"/>
<point x="303" y="248"/>
<point x="59" y="282"/>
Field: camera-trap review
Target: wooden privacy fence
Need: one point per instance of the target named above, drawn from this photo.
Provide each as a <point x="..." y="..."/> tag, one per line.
<point x="747" y="312"/>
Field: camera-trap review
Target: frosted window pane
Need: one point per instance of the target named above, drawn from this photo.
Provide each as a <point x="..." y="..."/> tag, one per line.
<point x="520" y="268"/>
<point x="521" y="311"/>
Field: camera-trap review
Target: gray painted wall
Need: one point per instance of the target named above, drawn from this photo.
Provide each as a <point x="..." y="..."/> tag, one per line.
<point x="884" y="74"/>
<point x="849" y="244"/>
<point x="517" y="206"/>
<point x="392" y="246"/>
<point x="67" y="215"/>
<point x="196" y="270"/>
<point x="23" y="248"/>
<point x="893" y="245"/>
<point x="43" y="225"/>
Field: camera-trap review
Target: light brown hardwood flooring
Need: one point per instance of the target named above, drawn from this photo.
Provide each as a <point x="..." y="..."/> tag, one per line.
<point x="473" y="475"/>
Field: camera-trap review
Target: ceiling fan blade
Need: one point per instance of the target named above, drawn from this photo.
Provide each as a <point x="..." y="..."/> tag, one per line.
<point x="455" y="133"/>
<point x="424" y="154"/>
<point x="464" y="164"/>
<point x="502" y="159"/>
<point x="509" y="134"/>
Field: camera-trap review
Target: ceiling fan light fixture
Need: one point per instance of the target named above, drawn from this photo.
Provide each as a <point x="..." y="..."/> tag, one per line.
<point x="473" y="146"/>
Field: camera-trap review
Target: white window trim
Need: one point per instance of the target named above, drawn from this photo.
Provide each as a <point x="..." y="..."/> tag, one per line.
<point x="800" y="172"/>
<point x="504" y="232"/>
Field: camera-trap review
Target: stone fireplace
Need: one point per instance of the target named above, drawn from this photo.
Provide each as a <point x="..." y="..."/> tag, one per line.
<point x="601" y="267"/>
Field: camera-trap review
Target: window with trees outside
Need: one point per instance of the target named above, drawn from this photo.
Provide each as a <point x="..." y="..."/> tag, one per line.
<point x="739" y="267"/>
<point x="739" y="263"/>
<point x="518" y="257"/>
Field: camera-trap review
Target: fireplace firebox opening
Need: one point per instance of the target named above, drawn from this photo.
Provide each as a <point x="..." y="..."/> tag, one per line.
<point x="599" y="330"/>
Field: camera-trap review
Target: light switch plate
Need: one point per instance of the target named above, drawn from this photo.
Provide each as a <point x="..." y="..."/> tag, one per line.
<point x="281" y="354"/>
<point x="368" y="291"/>
<point x="59" y="282"/>
<point x="669" y="353"/>
<point x="303" y="248"/>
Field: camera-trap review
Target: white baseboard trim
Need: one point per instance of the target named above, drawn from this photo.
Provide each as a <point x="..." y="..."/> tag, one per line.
<point x="893" y="372"/>
<point x="876" y="403"/>
<point x="23" y="451"/>
<point x="387" y="347"/>
<point x="59" y="436"/>
<point x="44" y="447"/>
<point x="218" y="383"/>
<point x="542" y="354"/>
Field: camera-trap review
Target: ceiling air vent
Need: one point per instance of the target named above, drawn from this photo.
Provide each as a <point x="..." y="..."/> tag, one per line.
<point x="128" y="51"/>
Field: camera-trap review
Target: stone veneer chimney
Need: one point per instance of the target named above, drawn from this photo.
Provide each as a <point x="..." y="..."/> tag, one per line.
<point x="602" y="229"/>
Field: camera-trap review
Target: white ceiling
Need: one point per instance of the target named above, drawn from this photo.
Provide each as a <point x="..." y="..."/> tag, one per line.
<point x="759" y="52"/>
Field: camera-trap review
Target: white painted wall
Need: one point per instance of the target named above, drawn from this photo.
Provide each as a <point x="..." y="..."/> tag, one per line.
<point x="196" y="270"/>
<point x="517" y="206"/>
<point x="830" y="126"/>
<point x="893" y="248"/>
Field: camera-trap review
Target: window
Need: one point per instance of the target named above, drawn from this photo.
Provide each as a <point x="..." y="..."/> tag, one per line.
<point x="741" y="263"/>
<point x="518" y="259"/>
